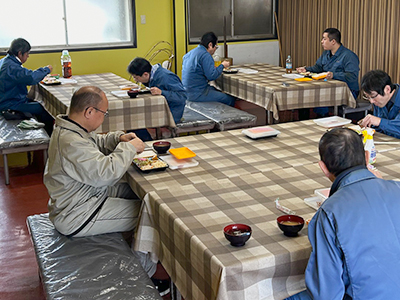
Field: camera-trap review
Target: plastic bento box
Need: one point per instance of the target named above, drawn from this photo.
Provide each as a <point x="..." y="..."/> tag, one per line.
<point x="149" y="162"/>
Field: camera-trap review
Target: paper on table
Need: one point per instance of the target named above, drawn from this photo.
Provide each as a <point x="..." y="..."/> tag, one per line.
<point x="292" y="76"/>
<point x="120" y="94"/>
<point x="67" y="80"/>
<point x="247" y="71"/>
<point x="175" y="163"/>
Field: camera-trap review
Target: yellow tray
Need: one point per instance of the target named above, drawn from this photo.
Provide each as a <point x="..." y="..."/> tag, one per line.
<point x="182" y="153"/>
<point x="303" y="79"/>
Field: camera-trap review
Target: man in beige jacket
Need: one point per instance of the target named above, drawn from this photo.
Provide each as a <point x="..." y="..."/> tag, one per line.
<point x="84" y="172"/>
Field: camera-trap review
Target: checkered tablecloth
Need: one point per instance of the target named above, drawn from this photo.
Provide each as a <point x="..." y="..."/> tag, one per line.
<point x="237" y="181"/>
<point x="146" y="111"/>
<point x="266" y="89"/>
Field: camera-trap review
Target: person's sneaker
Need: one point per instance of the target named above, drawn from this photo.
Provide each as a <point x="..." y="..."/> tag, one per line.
<point x="162" y="286"/>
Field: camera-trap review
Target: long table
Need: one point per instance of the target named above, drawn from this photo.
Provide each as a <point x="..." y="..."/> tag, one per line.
<point x="237" y="180"/>
<point x="145" y="111"/>
<point x="266" y="88"/>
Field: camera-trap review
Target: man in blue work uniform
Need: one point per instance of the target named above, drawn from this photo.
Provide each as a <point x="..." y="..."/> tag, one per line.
<point x="13" y="81"/>
<point x="384" y="95"/>
<point x="354" y="234"/>
<point x="198" y="69"/>
<point x="161" y="82"/>
<point x="339" y="62"/>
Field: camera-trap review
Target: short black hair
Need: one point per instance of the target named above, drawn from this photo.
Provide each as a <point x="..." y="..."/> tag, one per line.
<point x="376" y="80"/>
<point x="138" y="66"/>
<point x="86" y="96"/>
<point x="334" y="34"/>
<point x="341" y="149"/>
<point x="207" y="38"/>
<point x="18" y="45"/>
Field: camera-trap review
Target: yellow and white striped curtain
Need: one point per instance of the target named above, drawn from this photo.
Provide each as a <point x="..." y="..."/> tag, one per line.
<point x="370" y="28"/>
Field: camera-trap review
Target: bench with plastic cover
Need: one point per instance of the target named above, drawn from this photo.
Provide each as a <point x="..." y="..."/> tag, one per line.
<point x="94" y="267"/>
<point x="16" y="140"/>
<point x="225" y="117"/>
<point x="192" y="121"/>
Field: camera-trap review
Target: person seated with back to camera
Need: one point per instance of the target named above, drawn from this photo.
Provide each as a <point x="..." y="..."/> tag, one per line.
<point x="354" y="234"/>
<point x="198" y="69"/>
<point x="13" y="81"/>
<point x="85" y="173"/>
<point x="385" y="97"/>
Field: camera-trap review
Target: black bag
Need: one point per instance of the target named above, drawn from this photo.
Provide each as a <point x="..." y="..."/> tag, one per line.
<point x="10" y="114"/>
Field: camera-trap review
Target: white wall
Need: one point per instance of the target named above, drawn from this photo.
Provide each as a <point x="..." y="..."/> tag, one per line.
<point x="247" y="53"/>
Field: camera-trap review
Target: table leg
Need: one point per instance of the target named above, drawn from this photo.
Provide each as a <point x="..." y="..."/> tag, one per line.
<point x="6" y="173"/>
<point x="335" y="110"/>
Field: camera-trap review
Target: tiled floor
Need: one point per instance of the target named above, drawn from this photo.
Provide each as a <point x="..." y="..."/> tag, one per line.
<point x="26" y="195"/>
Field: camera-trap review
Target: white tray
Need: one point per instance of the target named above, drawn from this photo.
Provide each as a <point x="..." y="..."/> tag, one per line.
<point x="313" y="202"/>
<point x="175" y="163"/>
<point x="292" y="76"/>
<point x="334" y="121"/>
<point x="260" y="132"/>
<point x="120" y="94"/>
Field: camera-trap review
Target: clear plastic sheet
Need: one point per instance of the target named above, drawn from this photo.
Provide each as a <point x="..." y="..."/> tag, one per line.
<point x="192" y="118"/>
<point x="11" y="136"/>
<point x="225" y="116"/>
<point x="95" y="267"/>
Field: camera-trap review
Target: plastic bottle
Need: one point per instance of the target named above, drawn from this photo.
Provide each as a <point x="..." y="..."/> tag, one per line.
<point x="217" y="60"/>
<point x="289" y="65"/>
<point x="369" y="144"/>
<point x="66" y="64"/>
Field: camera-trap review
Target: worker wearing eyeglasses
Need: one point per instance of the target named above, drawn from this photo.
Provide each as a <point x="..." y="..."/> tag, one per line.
<point x="385" y="97"/>
<point x="198" y="70"/>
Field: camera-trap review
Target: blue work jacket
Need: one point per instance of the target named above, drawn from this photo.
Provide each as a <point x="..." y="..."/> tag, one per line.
<point x="390" y="118"/>
<point x="355" y="239"/>
<point x="344" y="65"/>
<point x="171" y="88"/>
<point x="13" y="81"/>
<point x="197" y="70"/>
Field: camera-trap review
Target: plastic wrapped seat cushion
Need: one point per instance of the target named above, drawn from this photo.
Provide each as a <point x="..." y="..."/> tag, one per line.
<point x="225" y="116"/>
<point x="11" y="136"/>
<point x="95" y="267"/>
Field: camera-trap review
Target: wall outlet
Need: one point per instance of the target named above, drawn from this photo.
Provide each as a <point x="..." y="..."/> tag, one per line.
<point x="143" y="19"/>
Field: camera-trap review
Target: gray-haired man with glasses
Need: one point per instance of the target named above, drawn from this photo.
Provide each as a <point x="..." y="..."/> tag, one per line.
<point x="85" y="172"/>
<point x="378" y="89"/>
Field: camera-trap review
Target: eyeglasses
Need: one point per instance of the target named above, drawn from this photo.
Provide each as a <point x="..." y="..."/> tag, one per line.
<point x="216" y="47"/>
<point x="366" y="97"/>
<point x="105" y="113"/>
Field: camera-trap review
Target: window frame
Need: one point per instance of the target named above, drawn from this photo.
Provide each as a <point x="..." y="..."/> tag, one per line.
<point x="88" y="47"/>
<point x="230" y="27"/>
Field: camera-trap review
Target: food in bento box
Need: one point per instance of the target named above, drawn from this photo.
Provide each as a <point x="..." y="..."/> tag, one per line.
<point x="150" y="163"/>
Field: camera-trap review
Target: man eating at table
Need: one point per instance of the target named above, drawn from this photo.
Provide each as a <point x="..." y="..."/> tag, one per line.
<point x="385" y="97"/>
<point x="354" y="234"/>
<point x="85" y="172"/>
<point x="161" y="82"/>
<point x="198" y="69"/>
<point x="339" y="62"/>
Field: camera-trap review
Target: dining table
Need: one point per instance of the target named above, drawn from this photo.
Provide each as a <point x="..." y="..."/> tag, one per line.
<point x="271" y="87"/>
<point x="237" y="180"/>
<point x="125" y="113"/>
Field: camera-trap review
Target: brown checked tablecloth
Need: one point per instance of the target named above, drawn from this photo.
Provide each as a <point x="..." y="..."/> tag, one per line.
<point x="237" y="181"/>
<point x="145" y="111"/>
<point x="266" y="89"/>
<point x="231" y="153"/>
